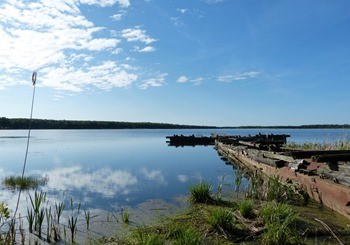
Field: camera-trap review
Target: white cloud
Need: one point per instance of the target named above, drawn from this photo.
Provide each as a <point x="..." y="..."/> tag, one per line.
<point x="182" y="79"/>
<point x="119" y="15"/>
<point x="56" y="39"/>
<point x="8" y="80"/>
<point x="137" y="35"/>
<point x="238" y="76"/>
<point x="176" y="21"/>
<point x="197" y="81"/>
<point x="99" y="44"/>
<point x="214" y="1"/>
<point x="157" y="81"/>
<point x="104" y="3"/>
<point x="146" y="49"/>
<point x="104" y="76"/>
<point x="182" y="11"/>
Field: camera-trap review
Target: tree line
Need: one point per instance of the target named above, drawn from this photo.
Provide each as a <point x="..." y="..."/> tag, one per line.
<point x="22" y="123"/>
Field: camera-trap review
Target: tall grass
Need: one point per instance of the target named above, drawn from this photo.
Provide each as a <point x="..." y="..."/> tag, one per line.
<point x="245" y="207"/>
<point x="280" y="221"/>
<point x="341" y="144"/>
<point x="222" y="221"/>
<point x="200" y="193"/>
<point x="184" y="234"/>
<point x="144" y="238"/>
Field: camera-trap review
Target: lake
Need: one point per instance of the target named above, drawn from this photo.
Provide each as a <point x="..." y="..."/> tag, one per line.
<point x="109" y="169"/>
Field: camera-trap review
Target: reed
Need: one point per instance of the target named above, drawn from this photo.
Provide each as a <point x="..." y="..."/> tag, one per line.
<point x="220" y="187"/>
<point x="125" y="216"/>
<point x="39" y="198"/>
<point x="30" y="219"/>
<point x="72" y="226"/>
<point x="87" y="219"/>
<point x="41" y="216"/>
<point x="340" y="144"/>
<point x="21" y="230"/>
<point x="58" y="210"/>
<point x="48" y="224"/>
<point x="238" y="180"/>
<point x="11" y="233"/>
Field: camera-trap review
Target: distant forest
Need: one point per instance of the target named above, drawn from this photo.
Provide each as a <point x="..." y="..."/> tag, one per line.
<point x="21" y="123"/>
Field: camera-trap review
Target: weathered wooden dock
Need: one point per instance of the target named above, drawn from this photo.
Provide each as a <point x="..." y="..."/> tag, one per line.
<point x="191" y="140"/>
<point x="325" y="175"/>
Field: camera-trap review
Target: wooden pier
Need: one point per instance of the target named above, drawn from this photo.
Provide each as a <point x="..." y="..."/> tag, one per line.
<point x="325" y="175"/>
<point x="191" y="140"/>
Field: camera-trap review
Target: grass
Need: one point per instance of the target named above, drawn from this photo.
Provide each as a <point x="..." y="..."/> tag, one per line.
<point x="200" y="193"/>
<point x="341" y="144"/>
<point x="280" y="220"/>
<point x="222" y="221"/>
<point x="218" y="223"/>
<point x="28" y="182"/>
<point x="245" y="207"/>
<point x="211" y="221"/>
<point x="184" y="234"/>
<point x="126" y="217"/>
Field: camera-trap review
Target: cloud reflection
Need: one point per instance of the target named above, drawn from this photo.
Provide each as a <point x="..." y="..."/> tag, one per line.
<point x="182" y="178"/>
<point x="155" y="175"/>
<point x="105" y="181"/>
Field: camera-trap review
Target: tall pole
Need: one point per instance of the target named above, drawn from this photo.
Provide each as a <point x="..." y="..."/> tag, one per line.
<point x="26" y="154"/>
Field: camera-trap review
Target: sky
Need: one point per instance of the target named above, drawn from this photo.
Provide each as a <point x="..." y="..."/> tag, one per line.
<point x="198" y="62"/>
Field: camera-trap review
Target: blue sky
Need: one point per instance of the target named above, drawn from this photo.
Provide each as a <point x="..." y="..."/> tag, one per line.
<point x="202" y="62"/>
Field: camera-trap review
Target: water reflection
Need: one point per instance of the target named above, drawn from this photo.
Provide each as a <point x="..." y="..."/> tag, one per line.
<point x="155" y="175"/>
<point x="104" y="181"/>
<point x="182" y="178"/>
<point x="105" y="169"/>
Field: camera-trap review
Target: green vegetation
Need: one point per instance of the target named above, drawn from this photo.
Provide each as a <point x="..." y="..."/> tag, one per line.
<point x="20" y="123"/>
<point x="219" y="222"/>
<point x="222" y="221"/>
<point x="200" y="193"/>
<point x="25" y="183"/>
<point x="343" y="144"/>
<point x="266" y="220"/>
<point x="280" y="221"/>
<point x="126" y="216"/>
<point x="245" y="207"/>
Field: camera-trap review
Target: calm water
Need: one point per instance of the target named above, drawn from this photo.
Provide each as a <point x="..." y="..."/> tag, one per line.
<point x="108" y="169"/>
